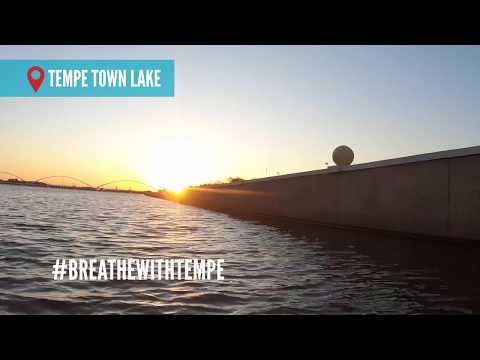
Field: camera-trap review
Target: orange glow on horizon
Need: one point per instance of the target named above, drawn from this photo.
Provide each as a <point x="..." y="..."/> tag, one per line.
<point x="176" y="164"/>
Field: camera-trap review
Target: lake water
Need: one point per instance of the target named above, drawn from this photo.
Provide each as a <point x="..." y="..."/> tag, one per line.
<point x="269" y="268"/>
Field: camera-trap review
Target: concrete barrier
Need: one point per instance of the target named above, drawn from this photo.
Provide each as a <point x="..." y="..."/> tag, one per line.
<point x="435" y="194"/>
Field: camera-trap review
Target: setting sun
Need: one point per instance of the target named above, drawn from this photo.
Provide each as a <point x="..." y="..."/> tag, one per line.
<point x="176" y="164"/>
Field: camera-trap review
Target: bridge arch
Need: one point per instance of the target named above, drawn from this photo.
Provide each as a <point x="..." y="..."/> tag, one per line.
<point x="12" y="174"/>
<point x="126" y="180"/>
<point x="65" y="177"/>
<point x="99" y="187"/>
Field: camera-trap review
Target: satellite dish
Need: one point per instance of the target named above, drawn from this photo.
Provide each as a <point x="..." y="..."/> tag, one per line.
<point x="343" y="155"/>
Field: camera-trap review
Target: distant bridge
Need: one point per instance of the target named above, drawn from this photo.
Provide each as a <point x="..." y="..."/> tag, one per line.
<point x="12" y="174"/>
<point x="129" y="181"/>
<point x="64" y="177"/>
<point x="99" y="187"/>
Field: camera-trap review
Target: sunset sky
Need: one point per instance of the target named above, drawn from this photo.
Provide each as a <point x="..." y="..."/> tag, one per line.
<point x="239" y="110"/>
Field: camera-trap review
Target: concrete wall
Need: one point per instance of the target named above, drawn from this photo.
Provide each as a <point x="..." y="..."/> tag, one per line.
<point x="464" y="190"/>
<point x="438" y="197"/>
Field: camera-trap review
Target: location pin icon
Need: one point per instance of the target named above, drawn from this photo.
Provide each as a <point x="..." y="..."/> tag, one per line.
<point x="35" y="83"/>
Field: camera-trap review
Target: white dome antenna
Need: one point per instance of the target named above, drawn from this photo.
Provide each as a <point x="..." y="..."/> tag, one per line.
<point x="343" y="155"/>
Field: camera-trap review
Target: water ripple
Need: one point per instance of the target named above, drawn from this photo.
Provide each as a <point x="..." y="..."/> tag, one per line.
<point x="270" y="268"/>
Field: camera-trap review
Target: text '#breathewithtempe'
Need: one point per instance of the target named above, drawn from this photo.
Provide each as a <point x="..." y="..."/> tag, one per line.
<point x="138" y="269"/>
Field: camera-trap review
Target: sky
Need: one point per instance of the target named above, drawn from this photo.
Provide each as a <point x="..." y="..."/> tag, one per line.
<point x="246" y="111"/>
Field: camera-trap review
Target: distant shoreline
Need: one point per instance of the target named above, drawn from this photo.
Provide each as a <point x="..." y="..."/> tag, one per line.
<point x="82" y="188"/>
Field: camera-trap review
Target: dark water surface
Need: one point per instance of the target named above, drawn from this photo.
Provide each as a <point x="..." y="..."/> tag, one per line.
<point x="269" y="268"/>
